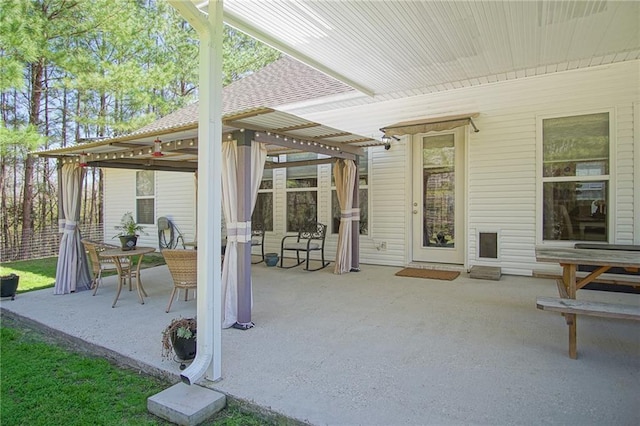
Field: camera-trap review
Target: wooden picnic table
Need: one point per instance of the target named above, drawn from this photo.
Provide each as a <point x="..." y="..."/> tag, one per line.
<point x="603" y="260"/>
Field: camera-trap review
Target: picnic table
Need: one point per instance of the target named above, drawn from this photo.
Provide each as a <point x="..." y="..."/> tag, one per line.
<point x="569" y="259"/>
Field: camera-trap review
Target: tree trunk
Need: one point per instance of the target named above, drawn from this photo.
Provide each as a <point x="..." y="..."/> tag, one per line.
<point x="37" y="72"/>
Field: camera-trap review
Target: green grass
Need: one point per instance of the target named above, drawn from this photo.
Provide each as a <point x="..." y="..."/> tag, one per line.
<point x="37" y="274"/>
<point x="45" y="384"/>
<point x="34" y="274"/>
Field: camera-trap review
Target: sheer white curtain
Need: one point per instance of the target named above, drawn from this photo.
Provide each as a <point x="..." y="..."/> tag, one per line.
<point x="344" y="172"/>
<point x="72" y="272"/>
<point x="236" y="231"/>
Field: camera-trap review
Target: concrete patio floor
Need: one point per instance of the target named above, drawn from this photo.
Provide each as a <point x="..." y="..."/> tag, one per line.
<point x="372" y="348"/>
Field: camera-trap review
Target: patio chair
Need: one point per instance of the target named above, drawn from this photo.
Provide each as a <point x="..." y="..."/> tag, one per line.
<point x="257" y="239"/>
<point x="183" y="266"/>
<point x="99" y="264"/>
<point x="310" y="238"/>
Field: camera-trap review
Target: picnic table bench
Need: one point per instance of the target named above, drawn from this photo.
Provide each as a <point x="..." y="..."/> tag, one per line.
<point x="569" y="259"/>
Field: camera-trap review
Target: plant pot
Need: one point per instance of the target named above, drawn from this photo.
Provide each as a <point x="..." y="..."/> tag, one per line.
<point x="271" y="259"/>
<point x="9" y="286"/>
<point x="185" y="349"/>
<point x="128" y="242"/>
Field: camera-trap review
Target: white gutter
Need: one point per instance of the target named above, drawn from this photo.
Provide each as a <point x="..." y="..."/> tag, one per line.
<point x="208" y="361"/>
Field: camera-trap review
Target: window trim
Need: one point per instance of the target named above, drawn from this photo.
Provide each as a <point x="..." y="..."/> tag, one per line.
<point x="541" y="180"/>
<point x="287" y="190"/>
<point x="146" y="197"/>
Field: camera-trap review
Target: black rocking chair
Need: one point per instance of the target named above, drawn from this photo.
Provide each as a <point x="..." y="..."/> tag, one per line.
<point x="310" y="238"/>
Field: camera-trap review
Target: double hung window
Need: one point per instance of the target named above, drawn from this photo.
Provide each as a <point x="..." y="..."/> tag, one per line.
<point x="575" y="177"/>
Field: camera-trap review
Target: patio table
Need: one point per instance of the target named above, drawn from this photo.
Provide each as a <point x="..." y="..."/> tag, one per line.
<point x="569" y="259"/>
<point x="116" y="255"/>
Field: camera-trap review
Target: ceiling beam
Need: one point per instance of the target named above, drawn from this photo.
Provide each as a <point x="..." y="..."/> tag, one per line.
<point x="164" y="166"/>
<point x="347" y="152"/>
<point x="286" y="164"/>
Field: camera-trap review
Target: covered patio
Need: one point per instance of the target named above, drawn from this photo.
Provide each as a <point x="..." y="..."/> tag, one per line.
<point x="375" y="348"/>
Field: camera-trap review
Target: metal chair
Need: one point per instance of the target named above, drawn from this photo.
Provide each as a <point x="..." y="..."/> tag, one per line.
<point x="183" y="266"/>
<point x="99" y="265"/>
<point x="310" y="238"/>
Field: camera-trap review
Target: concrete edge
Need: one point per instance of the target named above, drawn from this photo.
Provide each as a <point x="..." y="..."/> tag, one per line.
<point x="76" y="344"/>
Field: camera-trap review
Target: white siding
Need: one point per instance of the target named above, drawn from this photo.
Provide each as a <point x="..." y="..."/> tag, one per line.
<point x="501" y="172"/>
<point x="175" y="199"/>
<point x="501" y="159"/>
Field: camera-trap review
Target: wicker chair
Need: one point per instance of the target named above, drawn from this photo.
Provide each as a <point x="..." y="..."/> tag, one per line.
<point x="99" y="265"/>
<point x="183" y="266"/>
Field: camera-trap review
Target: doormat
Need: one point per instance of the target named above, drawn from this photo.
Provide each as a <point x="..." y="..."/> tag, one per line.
<point x="432" y="274"/>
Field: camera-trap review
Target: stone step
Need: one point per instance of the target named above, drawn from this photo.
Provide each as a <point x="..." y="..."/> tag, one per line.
<point x="486" y="272"/>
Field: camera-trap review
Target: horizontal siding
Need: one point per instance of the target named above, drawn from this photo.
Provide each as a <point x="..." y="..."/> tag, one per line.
<point x="119" y="198"/>
<point x="176" y="200"/>
<point x="501" y="172"/>
<point x="501" y="158"/>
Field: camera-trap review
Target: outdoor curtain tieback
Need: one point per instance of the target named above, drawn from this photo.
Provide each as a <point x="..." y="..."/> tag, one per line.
<point x="349" y="214"/>
<point x="239" y="232"/>
<point x="69" y="226"/>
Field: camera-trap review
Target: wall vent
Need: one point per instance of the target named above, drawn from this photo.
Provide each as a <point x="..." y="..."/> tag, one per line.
<point x="488" y="245"/>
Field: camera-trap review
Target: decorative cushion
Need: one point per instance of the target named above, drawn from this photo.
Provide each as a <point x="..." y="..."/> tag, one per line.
<point x="301" y="246"/>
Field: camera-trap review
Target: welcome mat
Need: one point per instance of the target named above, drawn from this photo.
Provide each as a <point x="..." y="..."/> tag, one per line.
<point x="432" y="274"/>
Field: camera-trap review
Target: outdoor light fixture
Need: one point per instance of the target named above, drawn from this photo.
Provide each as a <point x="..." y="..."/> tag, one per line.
<point x="157" y="148"/>
<point x="386" y="140"/>
<point x="83" y="159"/>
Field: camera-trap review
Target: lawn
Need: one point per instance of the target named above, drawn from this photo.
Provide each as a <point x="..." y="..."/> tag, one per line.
<point x="43" y="383"/>
<point x="37" y="274"/>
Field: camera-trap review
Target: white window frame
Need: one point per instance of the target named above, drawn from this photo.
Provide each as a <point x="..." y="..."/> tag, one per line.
<point x="541" y="180"/>
<point x="270" y="191"/>
<point x="288" y="190"/>
<point x="146" y="197"/>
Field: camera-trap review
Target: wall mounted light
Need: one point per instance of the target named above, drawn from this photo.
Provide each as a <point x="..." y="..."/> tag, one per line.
<point x="386" y="140"/>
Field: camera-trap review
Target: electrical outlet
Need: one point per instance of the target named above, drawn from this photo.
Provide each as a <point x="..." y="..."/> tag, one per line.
<point x="383" y="245"/>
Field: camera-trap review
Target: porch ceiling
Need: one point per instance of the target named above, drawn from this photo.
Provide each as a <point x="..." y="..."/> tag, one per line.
<point x="281" y="132"/>
<point x="381" y="47"/>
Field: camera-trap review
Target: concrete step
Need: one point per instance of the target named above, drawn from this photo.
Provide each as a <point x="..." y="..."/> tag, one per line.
<point x="186" y="405"/>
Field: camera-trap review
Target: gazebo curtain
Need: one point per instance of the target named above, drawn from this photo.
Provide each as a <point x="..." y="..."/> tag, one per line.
<point x="344" y="172"/>
<point x="236" y="231"/>
<point x="72" y="272"/>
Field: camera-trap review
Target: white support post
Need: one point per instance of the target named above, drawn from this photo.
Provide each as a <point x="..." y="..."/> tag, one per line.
<point x="208" y="361"/>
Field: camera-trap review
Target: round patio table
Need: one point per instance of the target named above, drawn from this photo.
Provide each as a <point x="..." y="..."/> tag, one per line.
<point x="117" y="255"/>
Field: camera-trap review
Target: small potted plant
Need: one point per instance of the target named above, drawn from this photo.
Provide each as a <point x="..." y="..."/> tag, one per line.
<point x="129" y="230"/>
<point x="179" y="337"/>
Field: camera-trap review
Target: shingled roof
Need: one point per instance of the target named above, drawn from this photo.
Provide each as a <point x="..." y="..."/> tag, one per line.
<point x="282" y="82"/>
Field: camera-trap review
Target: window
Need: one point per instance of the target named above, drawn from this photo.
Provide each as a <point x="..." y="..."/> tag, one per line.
<point x="302" y="192"/>
<point x="575" y="177"/>
<point x="145" y="197"/>
<point x="363" y="188"/>
<point x="263" y="212"/>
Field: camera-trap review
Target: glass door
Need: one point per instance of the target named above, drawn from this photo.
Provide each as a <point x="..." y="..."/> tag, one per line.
<point x="438" y="206"/>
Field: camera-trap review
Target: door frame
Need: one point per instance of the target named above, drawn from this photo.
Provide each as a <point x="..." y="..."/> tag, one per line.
<point x="462" y="144"/>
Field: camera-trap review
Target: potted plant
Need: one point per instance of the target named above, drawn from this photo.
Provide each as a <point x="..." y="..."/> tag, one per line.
<point x="129" y="230"/>
<point x="179" y="337"/>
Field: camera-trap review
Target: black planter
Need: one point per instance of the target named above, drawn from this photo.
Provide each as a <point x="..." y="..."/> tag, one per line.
<point x="9" y="286"/>
<point x="185" y="349"/>
<point x="128" y="242"/>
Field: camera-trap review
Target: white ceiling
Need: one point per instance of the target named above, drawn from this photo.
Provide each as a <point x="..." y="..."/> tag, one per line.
<point x="390" y="46"/>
